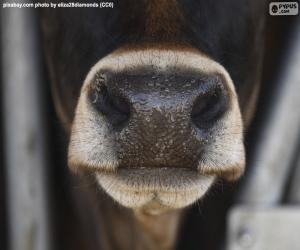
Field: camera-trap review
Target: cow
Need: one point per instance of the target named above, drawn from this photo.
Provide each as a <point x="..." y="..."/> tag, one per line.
<point x="155" y="97"/>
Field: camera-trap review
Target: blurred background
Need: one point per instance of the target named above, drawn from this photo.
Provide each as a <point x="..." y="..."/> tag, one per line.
<point x="264" y="212"/>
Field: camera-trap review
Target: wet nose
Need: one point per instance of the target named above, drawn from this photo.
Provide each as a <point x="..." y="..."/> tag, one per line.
<point x="162" y="119"/>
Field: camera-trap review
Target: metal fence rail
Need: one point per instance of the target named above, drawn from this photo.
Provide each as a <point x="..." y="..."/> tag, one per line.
<point x="24" y="133"/>
<point x="294" y="192"/>
<point x="260" y="220"/>
<point x="278" y="138"/>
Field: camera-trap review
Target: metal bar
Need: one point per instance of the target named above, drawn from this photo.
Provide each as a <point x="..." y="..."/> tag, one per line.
<point x="294" y="191"/>
<point x="24" y="132"/>
<point x="275" y="148"/>
<point x="270" y="228"/>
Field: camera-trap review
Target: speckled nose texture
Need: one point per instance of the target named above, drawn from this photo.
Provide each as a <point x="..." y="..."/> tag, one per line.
<point x="161" y="119"/>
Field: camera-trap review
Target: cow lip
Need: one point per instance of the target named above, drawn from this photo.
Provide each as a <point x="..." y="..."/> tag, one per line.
<point x="157" y="178"/>
<point x="170" y="188"/>
<point x="149" y="168"/>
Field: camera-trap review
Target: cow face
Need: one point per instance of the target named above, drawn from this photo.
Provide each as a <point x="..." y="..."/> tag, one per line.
<point x="158" y="117"/>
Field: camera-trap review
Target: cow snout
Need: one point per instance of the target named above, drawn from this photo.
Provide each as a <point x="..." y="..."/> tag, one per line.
<point x="157" y="126"/>
<point x="158" y="109"/>
<point x="160" y="119"/>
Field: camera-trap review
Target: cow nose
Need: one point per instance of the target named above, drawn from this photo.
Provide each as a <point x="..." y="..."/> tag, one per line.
<point x="208" y="99"/>
<point x="161" y="119"/>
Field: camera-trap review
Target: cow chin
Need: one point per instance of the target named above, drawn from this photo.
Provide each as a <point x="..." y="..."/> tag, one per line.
<point x="155" y="190"/>
<point x="143" y="145"/>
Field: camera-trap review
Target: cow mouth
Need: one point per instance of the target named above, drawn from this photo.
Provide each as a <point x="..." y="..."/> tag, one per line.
<point x="164" y="178"/>
<point x="167" y="188"/>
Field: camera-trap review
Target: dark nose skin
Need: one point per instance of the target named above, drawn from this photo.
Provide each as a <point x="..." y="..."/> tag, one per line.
<point x="161" y="119"/>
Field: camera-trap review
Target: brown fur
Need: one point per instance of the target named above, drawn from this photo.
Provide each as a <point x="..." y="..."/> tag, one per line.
<point x="159" y="26"/>
<point x="164" y="12"/>
<point x="118" y="227"/>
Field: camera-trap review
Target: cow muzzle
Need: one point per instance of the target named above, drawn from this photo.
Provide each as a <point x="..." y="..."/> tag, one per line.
<point x="157" y="127"/>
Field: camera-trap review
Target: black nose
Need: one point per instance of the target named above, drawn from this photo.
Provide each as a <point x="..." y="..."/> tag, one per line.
<point x="161" y="118"/>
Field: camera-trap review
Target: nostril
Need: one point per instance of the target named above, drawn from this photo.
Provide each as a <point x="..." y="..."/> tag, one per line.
<point x="209" y="106"/>
<point x="114" y="107"/>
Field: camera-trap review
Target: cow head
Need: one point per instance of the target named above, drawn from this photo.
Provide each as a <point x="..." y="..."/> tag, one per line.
<point x="158" y="117"/>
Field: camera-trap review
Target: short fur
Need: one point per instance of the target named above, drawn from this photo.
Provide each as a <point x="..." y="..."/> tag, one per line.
<point x="219" y="37"/>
